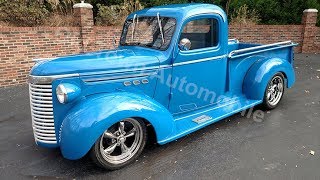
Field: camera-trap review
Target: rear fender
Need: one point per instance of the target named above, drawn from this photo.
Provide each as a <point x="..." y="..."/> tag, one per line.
<point x="260" y="73"/>
<point x="87" y="121"/>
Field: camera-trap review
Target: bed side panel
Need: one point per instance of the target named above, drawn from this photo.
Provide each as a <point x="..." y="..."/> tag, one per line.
<point x="238" y="67"/>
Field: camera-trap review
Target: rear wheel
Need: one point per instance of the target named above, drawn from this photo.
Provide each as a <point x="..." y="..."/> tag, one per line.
<point x="274" y="92"/>
<point x="120" y="144"/>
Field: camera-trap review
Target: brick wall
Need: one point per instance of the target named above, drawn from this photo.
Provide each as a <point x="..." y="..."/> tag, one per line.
<point x="20" y="45"/>
<point x="105" y="35"/>
<point x="264" y="34"/>
<point x="317" y="42"/>
<point x="309" y="19"/>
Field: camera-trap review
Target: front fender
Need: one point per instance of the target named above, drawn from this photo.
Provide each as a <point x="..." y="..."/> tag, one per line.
<point x="260" y="73"/>
<point x="87" y="121"/>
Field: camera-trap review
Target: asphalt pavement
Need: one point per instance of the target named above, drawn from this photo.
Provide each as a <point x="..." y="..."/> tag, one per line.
<point x="278" y="147"/>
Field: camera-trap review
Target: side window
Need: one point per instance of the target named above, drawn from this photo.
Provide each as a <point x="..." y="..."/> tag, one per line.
<point x="202" y="33"/>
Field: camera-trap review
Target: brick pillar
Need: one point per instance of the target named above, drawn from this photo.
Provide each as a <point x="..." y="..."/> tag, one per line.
<point x="83" y="15"/>
<point x="309" y="20"/>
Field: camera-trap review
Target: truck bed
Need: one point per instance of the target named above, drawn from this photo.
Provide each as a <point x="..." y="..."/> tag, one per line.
<point x="235" y="48"/>
<point x="242" y="56"/>
<point x="234" y="44"/>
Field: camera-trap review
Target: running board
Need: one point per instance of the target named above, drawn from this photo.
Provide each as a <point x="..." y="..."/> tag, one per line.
<point x="195" y="120"/>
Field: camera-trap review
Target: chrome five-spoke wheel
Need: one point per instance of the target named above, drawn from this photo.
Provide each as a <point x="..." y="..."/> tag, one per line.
<point x="120" y="144"/>
<point x="274" y="91"/>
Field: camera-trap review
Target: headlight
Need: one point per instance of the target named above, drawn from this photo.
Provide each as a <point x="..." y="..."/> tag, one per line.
<point x="62" y="94"/>
<point x="67" y="92"/>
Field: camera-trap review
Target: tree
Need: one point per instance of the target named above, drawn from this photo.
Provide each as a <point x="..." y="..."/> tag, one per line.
<point x="35" y="12"/>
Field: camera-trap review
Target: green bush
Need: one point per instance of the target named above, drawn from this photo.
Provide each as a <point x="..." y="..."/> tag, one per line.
<point x="245" y="16"/>
<point x="116" y="14"/>
<point x="62" y="7"/>
<point x="113" y="12"/>
<point x="109" y="15"/>
<point x="22" y="12"/>
<point x="276" y="11"/>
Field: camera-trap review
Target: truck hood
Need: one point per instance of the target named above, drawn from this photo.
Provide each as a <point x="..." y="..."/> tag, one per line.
<point x="108" y="60"/>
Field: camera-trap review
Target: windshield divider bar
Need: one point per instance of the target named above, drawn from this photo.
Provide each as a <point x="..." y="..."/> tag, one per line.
<point x="134" y="26"/>
<point x="160" y="26"/>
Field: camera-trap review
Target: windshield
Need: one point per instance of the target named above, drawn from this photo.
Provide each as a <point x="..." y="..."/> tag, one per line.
<point x="145" y="32"/>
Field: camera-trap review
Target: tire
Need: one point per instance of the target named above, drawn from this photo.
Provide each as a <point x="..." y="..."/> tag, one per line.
<point x="120" y="145"/>
<point x="274" y="92"/>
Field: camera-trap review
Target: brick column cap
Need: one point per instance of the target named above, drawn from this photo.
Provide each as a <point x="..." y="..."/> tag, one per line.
<point x="83" y="5"/>
<point x="310" y="10"/>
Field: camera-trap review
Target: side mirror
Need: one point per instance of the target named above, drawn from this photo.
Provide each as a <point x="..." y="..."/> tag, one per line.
<point x="185" y="44"/>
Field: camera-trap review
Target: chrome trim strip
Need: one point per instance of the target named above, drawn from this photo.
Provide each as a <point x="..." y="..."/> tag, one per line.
<point x="119" y="77"/>
<point x="42" y="90"/>
<point x="40" y="101"/>
<point x="43" y="127"/>
<point x="41" y="108"/>
<point x="40" y="97"/>
<point x="45" y="131"/>
<point x="42" y="105"/>
<point x="124" y="70"/>
<point x="42" y="116"/>
<point x="37" y="112"/>
<point x="35" y="86"/>
<point x="165" y="66"/>
<point x="46" y="135"/>
<point x="45" y="124"/>
<point x="41" y="94"/>
<point x="48" y="79"/>
<point x="46" y="142"/>
<point x="262" y="50"/>
<point x="44" y="120"/>
<point x="257" y="47"/>
<point x="234" y="39"/>
<point x="200" y="60"/>
<point x="49" y="138"/>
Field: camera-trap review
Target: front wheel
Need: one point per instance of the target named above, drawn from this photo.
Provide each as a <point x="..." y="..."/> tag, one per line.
<point x="274" y="92"/>
<point x="120" y="145"/>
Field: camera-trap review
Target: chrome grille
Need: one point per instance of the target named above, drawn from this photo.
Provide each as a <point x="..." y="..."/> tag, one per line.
<point x="42" y="113"/>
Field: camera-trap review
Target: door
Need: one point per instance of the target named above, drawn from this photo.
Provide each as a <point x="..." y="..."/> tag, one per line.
<point x="199" y="74"/>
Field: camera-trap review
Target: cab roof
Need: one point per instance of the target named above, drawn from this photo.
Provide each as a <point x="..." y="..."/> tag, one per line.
<point x="181" y="11"/>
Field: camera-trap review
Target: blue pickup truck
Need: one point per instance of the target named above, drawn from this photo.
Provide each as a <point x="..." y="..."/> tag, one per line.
<point x="175" y="71"/>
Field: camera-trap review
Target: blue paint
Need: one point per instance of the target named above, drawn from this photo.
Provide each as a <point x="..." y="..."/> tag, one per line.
<point x="99" y="62"/>
<point x="261" y="72"/>
<point x="98" y="97"/>
<point x="87" y="120"/>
